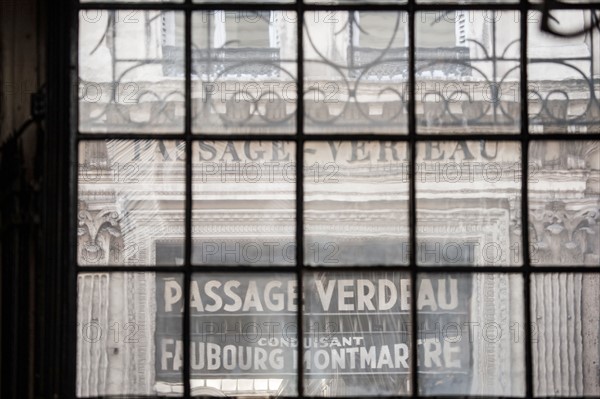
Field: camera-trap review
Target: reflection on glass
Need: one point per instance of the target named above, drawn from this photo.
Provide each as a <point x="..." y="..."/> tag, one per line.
<point x="570" y="1"/>
<point x="564" y="202"/>
<point x="563" y="94"/>
<point x="466" y="1"/>
<point x="356" y="203"/>
<point x="468" y="203"/>
<point x="471" y="334"/>
<point x="246" y="1"/>
<point x="467" y="75"/>
<point x="243" y="335"/>
<point x="128" y="71"/>
<point x="134" y="1"/>
<point x="129" y="341"/>
<point x="356" y="327"/>
<point x="244" y="71"/>
<point x="355" y="1"/>
<point x="131" y="196"/>
<point x="565" y="310"/>
<point x="244" y="209"/>
<point x="355" y="72"/>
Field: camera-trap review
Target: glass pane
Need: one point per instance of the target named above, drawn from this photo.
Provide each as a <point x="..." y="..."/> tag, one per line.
<point x="244" y="71"/>
<point x="243" y="335"/>
<point x="565" y="308"/>
<point x="130" y="71"/>
<point x="467" y="71"/>
<point x="466" y="1"/>
<point x="131" y="198"/>
<point x="570" y="1"/>
<point x="563" y="94"/>
<point x="332" y="2"/>
<point x="356" y="1"/>
<point x="357" y="340"/>
<point x="564" y="202"/>
<point x="355" y="72"/>
<point x="133" y="1"/>
<point x="356" y="203"/>
<point x="468" y="203"/>
<point x="129" y="340"/>
<point x="246" y="1"/>
<point x="244" y="209"/>
<point x="471" y="334"/>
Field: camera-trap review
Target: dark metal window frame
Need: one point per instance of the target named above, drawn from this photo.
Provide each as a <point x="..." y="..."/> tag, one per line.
<point x="62" y="274"/>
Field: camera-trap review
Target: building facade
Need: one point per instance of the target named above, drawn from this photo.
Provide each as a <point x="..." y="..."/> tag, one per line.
<point x="357" y="324"/>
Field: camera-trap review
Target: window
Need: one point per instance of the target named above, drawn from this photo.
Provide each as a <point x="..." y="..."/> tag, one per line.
<point x="358" y="199"/>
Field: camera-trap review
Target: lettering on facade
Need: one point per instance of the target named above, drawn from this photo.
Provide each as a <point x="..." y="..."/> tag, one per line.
<point x="354" y="324"/>
<point x="350" y="152"/>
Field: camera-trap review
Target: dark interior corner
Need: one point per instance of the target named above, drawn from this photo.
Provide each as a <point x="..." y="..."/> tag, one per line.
<point x="30" y="163"/>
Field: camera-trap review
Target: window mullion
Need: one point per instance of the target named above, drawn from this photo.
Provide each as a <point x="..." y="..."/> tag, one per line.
<point x="412" y="132"/>
<point x="300" y="192"/>
<point x="188" y="203"/>
<point x="524" y="136"/>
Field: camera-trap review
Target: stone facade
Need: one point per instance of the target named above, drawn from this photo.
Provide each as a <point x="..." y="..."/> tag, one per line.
<point x="131" y="195"/>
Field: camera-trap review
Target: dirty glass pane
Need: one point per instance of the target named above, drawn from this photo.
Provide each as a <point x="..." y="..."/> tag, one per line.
<point x="357" y="2"/>
<point x="466" y="1"/>
<point x="130" y="199"/>
<point x="566" y="100"/>
<point x="355" y="203"/>
<point x="570" y="1"/>
<point x="565" y="310"/>
<point x="357" y="340"/>
<point x="129" y="334"/>
<point x="244" y="71"/>
<point x="355" y="72"/>
<point x="467" y="71"/>
<point x="243" y="335"/>
<point x="468" y="203"/>
<point x="472" y="337"/>
<point x="244" y="210"/>
<point x="246" y="1"/>
<point x="130" y="73"/>
<point x="564" y="202"/>
<point x="134" y="1"/>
